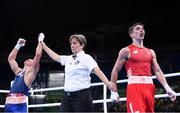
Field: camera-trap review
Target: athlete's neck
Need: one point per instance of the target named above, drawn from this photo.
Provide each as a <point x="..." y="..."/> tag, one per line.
<point x="138" y="44"/>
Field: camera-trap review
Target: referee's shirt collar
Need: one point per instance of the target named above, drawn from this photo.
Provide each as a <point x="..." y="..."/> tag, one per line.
<point x="78" y="54"/>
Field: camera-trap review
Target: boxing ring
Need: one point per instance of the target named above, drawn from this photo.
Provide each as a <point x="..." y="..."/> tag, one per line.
<point x="104" y="100"/>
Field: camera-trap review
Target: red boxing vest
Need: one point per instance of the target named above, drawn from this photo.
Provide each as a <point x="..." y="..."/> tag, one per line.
<point x="139" y="63"/>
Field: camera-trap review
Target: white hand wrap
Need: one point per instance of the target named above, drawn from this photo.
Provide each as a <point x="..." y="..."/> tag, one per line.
<point x="170" y="92"/>
<point x="18" y="46"/>
<point x="20" y="43"/>
<point x="114" y="96"/>
<point x="41" y="37"/>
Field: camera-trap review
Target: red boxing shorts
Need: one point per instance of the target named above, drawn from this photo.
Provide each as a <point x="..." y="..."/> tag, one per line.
<point x="140" y="94"/>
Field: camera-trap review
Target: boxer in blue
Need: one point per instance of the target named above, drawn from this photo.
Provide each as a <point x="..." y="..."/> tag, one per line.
<point x="17" y="99"/>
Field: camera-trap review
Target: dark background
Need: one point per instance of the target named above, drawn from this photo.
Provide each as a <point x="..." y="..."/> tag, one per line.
<point x="103" y="22"/>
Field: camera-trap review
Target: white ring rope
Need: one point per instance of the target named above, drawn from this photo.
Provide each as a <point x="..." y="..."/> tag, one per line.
<point x="93" y="84"/>
<point x="104" y="100"/>
<point x="94" y="101"/>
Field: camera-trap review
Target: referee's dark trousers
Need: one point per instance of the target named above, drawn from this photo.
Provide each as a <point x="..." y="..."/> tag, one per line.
<point x="78" y="101"/>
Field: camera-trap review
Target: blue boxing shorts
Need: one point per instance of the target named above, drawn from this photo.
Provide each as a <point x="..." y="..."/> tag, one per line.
<point x="16" y="103"/>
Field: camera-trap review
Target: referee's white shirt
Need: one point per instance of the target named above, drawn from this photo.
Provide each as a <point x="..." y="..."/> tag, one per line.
<point x="77" y="71"/>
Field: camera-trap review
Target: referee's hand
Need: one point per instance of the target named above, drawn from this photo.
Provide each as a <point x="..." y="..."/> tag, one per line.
<point x="112" y="86"/>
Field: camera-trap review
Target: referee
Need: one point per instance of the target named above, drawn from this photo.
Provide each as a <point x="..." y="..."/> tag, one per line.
<point x="78" y="67"/>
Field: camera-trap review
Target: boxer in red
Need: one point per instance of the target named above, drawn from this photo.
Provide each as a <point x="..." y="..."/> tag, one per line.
<point x="139" y="61"/>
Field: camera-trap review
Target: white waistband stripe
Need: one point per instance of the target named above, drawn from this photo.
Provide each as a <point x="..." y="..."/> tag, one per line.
<point x="16" y="100"/>
<point x="140" y="79"/>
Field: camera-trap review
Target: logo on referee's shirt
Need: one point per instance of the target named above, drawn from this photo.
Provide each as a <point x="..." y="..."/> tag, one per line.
<point x="76" y="62"/>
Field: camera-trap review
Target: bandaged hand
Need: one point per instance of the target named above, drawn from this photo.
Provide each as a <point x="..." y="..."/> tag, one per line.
<point x="41" y="37"/>
<point x="170" y="92"/>
<point x="20" y="43"/>
<point x="114" y="96"/>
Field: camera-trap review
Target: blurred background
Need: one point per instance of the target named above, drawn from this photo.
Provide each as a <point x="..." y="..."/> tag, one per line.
<point x="105" y="24"/>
